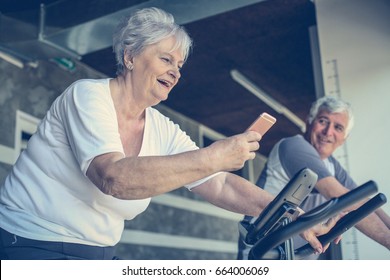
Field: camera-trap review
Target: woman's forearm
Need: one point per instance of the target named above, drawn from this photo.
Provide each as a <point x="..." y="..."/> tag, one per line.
<point x="142" y="177"/>
<point x="234" y="194"/>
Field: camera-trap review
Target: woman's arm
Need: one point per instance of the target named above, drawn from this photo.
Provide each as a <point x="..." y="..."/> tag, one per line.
<point x="142" y="177"/>
<point x="236" y="194"/>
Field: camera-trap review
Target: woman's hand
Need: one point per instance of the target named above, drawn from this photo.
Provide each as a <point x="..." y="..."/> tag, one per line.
<point x="311" y="234"/>
<point x="231" y="153"/>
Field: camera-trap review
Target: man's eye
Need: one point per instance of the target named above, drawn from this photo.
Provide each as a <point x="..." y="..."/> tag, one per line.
<point x="322" y="121"/>
<point x="339" y="128"/>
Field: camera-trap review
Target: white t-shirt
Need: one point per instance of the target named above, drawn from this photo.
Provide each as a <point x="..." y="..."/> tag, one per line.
<point x="47" y="195"/>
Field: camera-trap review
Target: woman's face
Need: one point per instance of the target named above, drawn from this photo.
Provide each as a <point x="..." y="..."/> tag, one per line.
<point x="328" y="132"/>
<point x="156" y="70"/>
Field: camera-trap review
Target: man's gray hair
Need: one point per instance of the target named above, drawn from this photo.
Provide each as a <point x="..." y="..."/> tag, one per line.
<point x="332" y="104"/>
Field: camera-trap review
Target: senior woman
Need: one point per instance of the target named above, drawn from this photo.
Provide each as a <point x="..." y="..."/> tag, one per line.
<point x="102" y="152"/>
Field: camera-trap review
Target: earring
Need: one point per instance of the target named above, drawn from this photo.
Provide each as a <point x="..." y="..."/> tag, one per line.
<point x="129" y="66"/>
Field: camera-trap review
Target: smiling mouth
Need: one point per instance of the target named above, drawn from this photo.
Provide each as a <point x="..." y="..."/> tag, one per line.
<point x="165" y="83"/>
<point x="324" y="140"/>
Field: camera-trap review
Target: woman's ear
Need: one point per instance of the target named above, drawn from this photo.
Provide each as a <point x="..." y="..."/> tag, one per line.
<point x="128" y="60"/>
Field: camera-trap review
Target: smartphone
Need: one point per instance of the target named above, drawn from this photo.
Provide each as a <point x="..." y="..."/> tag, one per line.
<point x="262" y="124"/>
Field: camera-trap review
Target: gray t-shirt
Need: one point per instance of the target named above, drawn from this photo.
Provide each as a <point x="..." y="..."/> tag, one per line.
<point x="289" y="156"/>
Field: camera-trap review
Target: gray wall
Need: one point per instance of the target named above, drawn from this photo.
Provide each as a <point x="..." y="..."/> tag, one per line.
<point x="177" y="226"/>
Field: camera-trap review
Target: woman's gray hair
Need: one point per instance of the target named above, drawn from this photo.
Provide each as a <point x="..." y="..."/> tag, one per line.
<point x="332" y="105"/>
<point x="146" y="27"/>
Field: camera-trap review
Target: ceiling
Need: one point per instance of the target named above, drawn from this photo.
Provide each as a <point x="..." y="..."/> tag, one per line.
<point x="267" y="41"/>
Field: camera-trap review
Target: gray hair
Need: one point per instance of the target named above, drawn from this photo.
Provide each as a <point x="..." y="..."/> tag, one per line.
<point x="332" y="105"/>
<point x="146" y="27"/>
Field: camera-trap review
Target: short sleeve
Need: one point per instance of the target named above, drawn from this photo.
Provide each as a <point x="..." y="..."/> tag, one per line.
<point x="89" y="119"/>
<point x="296" y="153"/>
<point x="342" y="176"/>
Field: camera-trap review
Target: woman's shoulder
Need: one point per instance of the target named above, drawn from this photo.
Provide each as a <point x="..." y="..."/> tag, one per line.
<point x="90" y="83"/>
<point x="85" y="92"/>
<point x="86" y="88"/>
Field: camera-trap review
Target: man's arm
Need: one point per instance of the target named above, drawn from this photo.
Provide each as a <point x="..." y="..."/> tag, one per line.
<point x="384" y="217"/>
<point x="373" y="226"/>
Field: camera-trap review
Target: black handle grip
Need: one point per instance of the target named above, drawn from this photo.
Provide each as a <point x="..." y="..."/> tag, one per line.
<point x="339" y="203"/>
<point x="344" y="224"/>
<point x="311" y="218"/>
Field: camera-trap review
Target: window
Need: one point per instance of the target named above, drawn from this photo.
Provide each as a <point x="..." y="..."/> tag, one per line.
<point x="26" y="125"/>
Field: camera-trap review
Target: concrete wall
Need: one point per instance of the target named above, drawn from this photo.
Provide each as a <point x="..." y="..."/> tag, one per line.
<point x="178" y="225"/>
<point x="30" y="90"/>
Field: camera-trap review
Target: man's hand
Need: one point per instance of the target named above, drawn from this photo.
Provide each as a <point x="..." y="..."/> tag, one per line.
<point x="311" y="234"/>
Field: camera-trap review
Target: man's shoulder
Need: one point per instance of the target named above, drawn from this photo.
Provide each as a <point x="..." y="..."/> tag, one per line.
<point x="295" y="138"/>
<point x="296" y="142"/>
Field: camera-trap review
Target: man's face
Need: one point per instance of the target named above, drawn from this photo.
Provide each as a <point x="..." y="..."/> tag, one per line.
<point x="328" y="132"/>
